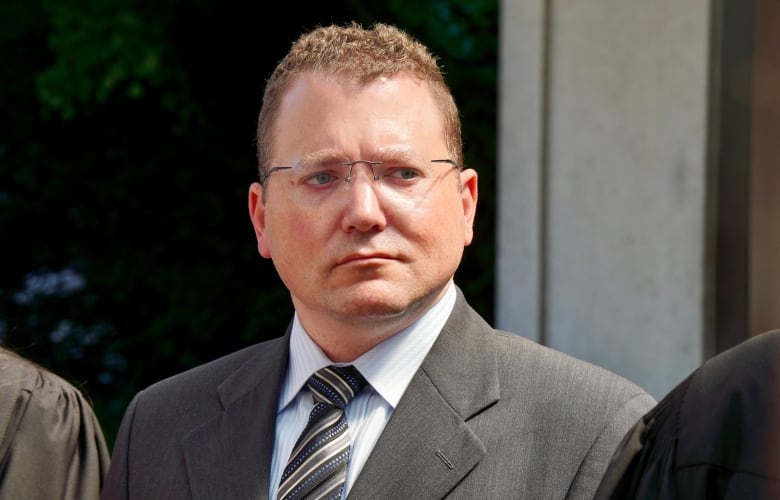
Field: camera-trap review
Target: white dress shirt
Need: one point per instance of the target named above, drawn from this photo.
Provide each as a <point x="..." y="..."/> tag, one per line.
<point x="388" y="368"/>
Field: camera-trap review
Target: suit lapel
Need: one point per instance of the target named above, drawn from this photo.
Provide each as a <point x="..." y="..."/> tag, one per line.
<point x="230" y="455"/>
<point x="427" y="447"/>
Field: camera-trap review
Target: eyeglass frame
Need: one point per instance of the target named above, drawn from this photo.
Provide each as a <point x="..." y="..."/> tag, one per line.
<point x="351" y="164"/>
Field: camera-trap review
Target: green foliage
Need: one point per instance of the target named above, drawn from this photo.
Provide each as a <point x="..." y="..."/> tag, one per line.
<point x="107" y="46"/>
<point x="126" y="150"/>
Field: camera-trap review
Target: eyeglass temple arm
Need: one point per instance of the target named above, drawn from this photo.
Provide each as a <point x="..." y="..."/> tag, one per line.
<point x="451" y="162"/>
<point x="267" y="174"/>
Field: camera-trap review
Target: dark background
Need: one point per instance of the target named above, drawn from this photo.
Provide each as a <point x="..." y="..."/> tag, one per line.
<point x="126" y="151"/>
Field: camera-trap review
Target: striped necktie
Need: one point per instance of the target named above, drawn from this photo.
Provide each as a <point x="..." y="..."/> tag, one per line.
<point x="318" y="464"/>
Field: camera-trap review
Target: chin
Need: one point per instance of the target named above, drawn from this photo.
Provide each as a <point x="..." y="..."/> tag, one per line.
<point x="374" y="309"/>
<point x="379" y="303"/>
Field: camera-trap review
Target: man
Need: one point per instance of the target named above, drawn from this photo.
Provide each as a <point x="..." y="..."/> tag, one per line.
<point x="364" y="207"/>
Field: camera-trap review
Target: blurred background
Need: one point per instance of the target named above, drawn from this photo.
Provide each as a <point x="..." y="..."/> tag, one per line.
<point x="126" y="152"/>
<point x="629" y="209"/>
<point x="638" y="216"/>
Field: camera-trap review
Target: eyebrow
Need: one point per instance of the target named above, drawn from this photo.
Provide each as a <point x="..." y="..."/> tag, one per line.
<point x="397" y="153"/>
<point x="393" y="153"/>
<point x="324" y="157"/>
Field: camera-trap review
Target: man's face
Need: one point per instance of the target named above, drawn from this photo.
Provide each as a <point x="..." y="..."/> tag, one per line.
<point x="363" y="250"/>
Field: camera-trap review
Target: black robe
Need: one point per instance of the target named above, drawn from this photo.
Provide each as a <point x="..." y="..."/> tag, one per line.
<point x="716" y="435"/>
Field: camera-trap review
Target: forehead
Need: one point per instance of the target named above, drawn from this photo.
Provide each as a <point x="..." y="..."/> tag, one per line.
<point x="320" y="112"/>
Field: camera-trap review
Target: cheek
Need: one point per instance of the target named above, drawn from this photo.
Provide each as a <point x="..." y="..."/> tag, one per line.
<point x="294" y="235"/>
<point x="436" y="229"/>
<point x="299" y="228"/>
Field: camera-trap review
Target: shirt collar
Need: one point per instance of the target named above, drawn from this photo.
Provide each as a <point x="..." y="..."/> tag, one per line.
<point x="388" y="367"/>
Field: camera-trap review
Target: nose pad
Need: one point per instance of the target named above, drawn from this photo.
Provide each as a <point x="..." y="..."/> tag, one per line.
<point x="371" y="165"/>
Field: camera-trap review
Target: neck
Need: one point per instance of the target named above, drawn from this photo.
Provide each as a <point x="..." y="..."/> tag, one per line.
<point x="344" y="342"/>
<point x="345" y="338"/>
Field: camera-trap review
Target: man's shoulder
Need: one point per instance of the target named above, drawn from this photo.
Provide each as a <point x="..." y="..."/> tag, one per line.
<point x="533" y="360"/>
<point x="555" y="390"/>
<point x="527" y="365"/>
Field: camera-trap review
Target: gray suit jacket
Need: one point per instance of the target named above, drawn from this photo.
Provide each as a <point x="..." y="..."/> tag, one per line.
<point x="489" y="414"/>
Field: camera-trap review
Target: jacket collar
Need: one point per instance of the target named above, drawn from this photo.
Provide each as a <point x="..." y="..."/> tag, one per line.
<point x="427" y="446"/>
<point x="241" y="434"/>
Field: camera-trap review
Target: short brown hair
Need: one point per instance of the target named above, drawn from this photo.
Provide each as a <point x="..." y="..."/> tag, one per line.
<point x="357" y="55"/>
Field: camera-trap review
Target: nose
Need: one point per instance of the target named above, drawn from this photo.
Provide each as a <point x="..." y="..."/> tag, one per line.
<point x="364" y="210"/>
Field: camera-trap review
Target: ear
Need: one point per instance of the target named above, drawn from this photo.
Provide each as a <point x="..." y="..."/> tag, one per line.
<point x="468" y="195"/>
<point x="257" y="214"/>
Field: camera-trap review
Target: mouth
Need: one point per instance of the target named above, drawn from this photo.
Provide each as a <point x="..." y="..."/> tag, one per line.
<point x="367" y="258"/>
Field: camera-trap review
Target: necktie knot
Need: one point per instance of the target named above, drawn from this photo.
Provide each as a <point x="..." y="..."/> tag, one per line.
<point x="318" y="463"/>
<point x="336" y="385"/>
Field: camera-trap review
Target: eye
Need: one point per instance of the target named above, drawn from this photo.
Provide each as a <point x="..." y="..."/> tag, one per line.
<point x="321" y="178"/>
<point x="403" y="173"/>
